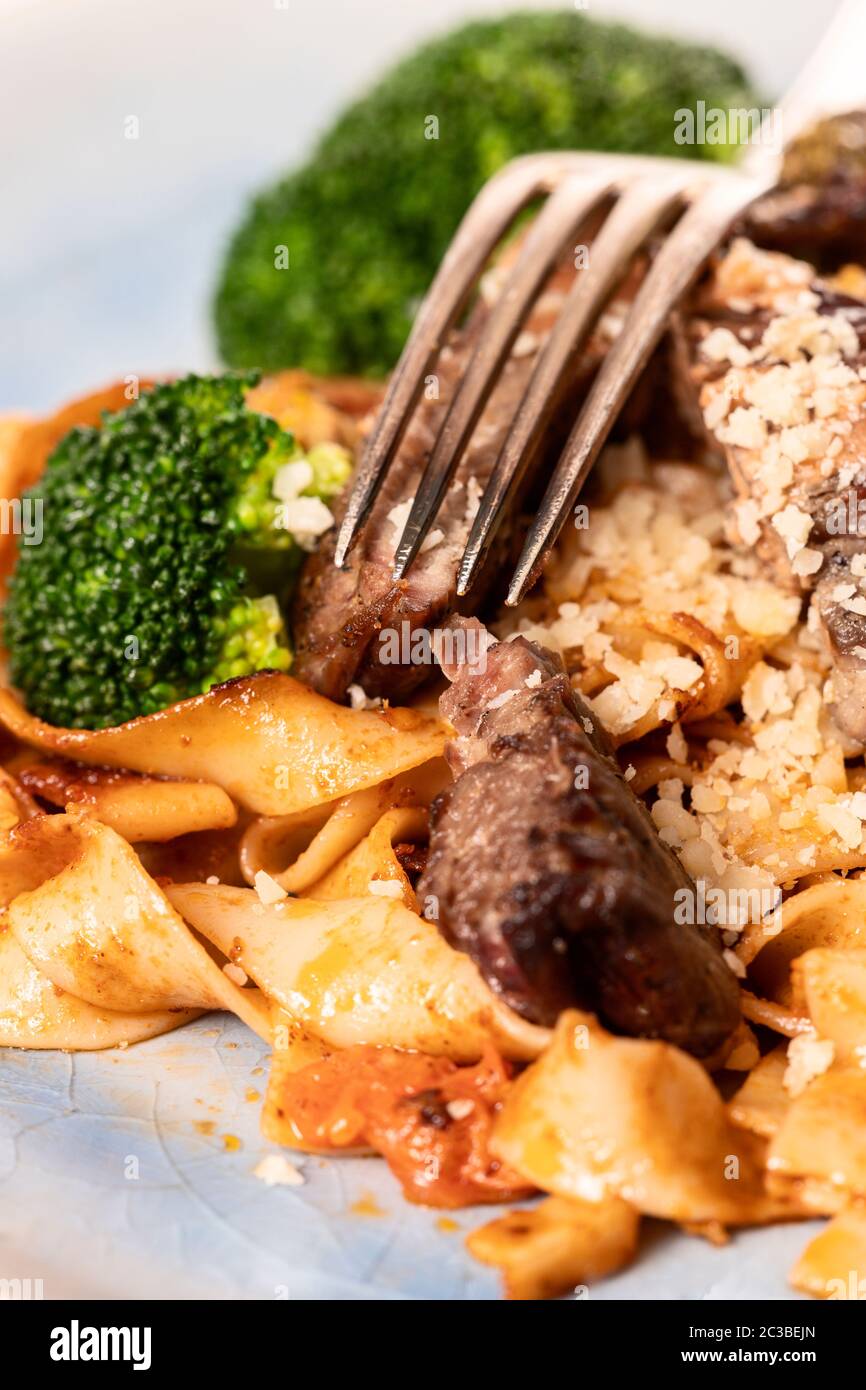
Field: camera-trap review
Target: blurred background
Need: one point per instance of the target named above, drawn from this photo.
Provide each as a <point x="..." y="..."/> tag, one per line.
<point x="110" y="246"/>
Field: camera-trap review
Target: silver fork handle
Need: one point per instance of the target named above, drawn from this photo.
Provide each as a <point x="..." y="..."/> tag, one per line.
<point x="832" y="81"/>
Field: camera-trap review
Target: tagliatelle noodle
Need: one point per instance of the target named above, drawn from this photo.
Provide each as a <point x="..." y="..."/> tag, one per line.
<point x="373" y="861"/>
<point x="91" y="920"/>
<point x="271" y="743"/>
<point x="764" y="1012"/>
<point x="833" y="1265"/>
<point x="818" y="1154"/>
<point x="719" y="682"/>
<point x="832" y="985"/>
<point x="598" y="1116"/>
<point x="366" y="970"/>
<point x="34" y="1013"/>
<point x="828" y="914"/>
<point x="557" y="1245"/>
<point x="762" y="1102"/>
<point x="136" y="806"/>
<point x="272" y="844"/>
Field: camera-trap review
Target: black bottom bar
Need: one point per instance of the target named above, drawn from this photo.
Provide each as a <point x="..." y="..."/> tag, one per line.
<point x="210" y="1339"/>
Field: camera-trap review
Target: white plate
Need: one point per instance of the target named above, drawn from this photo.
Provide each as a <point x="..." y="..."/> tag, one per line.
<point x="196" y="1223"/>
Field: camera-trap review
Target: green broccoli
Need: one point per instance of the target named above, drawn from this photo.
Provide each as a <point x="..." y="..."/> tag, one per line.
<point x="364" y="224"/>
<point x="164" y="556"/>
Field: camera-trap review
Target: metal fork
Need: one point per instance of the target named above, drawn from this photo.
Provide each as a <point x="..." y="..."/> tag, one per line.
<point x="696" y="203"/>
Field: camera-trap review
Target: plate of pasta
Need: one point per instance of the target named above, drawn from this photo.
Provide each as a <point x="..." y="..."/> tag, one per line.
<point x="360" y="944"/>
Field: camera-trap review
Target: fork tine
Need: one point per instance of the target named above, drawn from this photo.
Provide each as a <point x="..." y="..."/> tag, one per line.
<point x="640" y="210"/>
<point x="546" y="241"/>
<point x="676" y="266"/>
<point x="488" y="218"/>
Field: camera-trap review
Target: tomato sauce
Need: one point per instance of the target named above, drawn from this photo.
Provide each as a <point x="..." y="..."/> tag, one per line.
<point x="429" y="1118"/>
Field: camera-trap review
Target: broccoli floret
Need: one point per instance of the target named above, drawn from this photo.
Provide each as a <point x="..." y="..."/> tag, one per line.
<point x="366" y="221"/>
<point x="158" y="528"/>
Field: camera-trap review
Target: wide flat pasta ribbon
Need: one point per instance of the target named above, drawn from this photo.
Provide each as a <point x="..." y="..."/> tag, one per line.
<point x="546" y="1251"/>
<point x="818" y="1153"/>
<point x="598" y="1116"/>
<point x="833" y="1265"/>
<point x="828" y="914"/>
<point x="34" y="1013"/>
<point x="137" y="807"/>
<point x="271" y="743"/>
<point x="298" y="851"/>
<point x="832" y="984"/>
<point x="720" y="683"/>
<point x="365" y="970"/>
<point x="93" y="922"/>
<point x="373" y="861"/>
<point x="762" y="1102"/>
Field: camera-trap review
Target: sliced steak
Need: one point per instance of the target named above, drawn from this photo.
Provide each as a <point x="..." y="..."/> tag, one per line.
<point x="818" y="212"/>
<point x="339" y="616"/>
<point x="774" y="359"/>
<point x="546" y="869"/>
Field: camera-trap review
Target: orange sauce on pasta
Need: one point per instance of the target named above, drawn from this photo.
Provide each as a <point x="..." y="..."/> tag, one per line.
<point x="429" y="1118"/>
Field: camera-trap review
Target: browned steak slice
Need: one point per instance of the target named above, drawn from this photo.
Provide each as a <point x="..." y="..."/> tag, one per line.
<point x="339" y="617"/>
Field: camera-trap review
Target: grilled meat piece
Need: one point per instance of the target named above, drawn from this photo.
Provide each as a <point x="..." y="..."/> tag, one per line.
<point x="776" y="360"/>
<point x="546" y="869"/>
<point x="818" y="212"/>
<point x="339" y="615"/>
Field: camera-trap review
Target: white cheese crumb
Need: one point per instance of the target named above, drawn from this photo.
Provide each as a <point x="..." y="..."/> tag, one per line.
<point x="473" y="500"/>
<point x="807" y="562"/>
<point x="212" y="880"/>
<point x="706" y="800"/>
<point x="290" y="480"/>
<point x="842" y="822"/>
<point x="307" y="518"/>
<point x="459" y="1109"/>
<point x="533" y="680"/>
<point x="630" y="772"/>
<point x="734" y="963"/>
<point x="499" y="700"/>
<point x="745" y="428"/>
<point x="385" y="887"/>
<point x="267" y="888"/>
<point x="748" y="517"/>
<point x="359" y="699"/>
<point x="808" y="1056"/>
<point x="721" y="345"/>
<point x="399" y="515"/>
<point x="676" y="745"/>
<point x="793" y="525"/>
<point x="275" y="1170"/>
